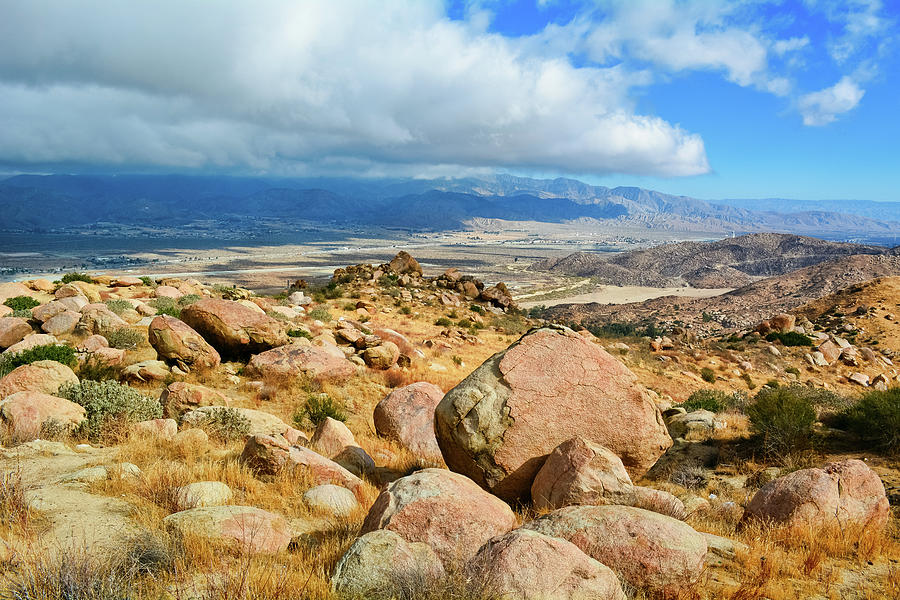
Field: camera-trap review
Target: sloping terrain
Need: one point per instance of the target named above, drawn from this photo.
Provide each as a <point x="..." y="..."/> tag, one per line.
<point x="731" y="262"/>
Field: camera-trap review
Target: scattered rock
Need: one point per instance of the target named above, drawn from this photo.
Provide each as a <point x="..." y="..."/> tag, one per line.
<point x="44" y="376"/>
<point x="498" y="425"/>
<point x="332" y="436"/>
<point x="174" y="340"/>
<point x="356" y="460"/>
<point x="261" y="423"/>
<point x="251" y="529"/>
<point x="323" y="363"/>
<point x="406" y="416"/>
<point x="27" y="413"/>
<point x="329" y="498"/>
<point x="164" y="429"/>
<point x="233" y="328"/>
<point x="32" y="341"/>
<point x="382" y="356"/>
<point x="147" y="370"/>
<point x="13" y="330"/>
<point x="202" y="493"/>
<point x="180" y="397"/>
<point x="445" y="510"/>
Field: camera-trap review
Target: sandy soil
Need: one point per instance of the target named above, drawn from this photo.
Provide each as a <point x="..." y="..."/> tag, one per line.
<point x="610" y="294"/>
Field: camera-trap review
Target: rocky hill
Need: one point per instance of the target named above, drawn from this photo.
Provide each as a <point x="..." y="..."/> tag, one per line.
<point x="730" y="262"/>
<point x="391" y="435"/>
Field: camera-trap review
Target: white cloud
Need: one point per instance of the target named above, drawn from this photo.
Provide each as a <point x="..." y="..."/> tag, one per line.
<point x="823" y="107"/>
<point x="283" y="86"/>
<point x="782" y="47"/>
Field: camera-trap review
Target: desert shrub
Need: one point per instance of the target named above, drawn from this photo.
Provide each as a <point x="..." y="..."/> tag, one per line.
<point x="13" y="501"/>
<point x="389" y="280"/>
<point x="444" y="322"/>
<point x="149" y="554"/>
<point x="689" y="476"/>
<point x="147" y="281"/>
<point x="299" y="333"/>
<point x="118" y="305"/>
<point x="21" y="303"/>
<point x="405" y="310"/>
<point x="320" y="313"/>
<point x="457" y="360"/>
<point x="711" y="400"/>
<point x="453" y="314"/>
<point x="225" y="424"/>
<point x="511" y="324"/>
<point x="476" y="308"/>
<point x="537" y="312"/>
<point x="107" y="401"/>
<point x="23" y="313"/>
<point x="95" y="368"/>
<point x="648" y="329"/>
<point x="707" y="375"/>
<point x="166" y="306"/>
<point x="783" y="419"/>
<point x="58" y="352"/>
<point x="466" y="324"/>
<point x="70" y="277"/>
<point x="72" y="574"/>
<point x="790" y="338"/>
<point x="749" y="381"/>
<point x="350" y="306"/>
<point x="876" y="419"/>
<point x="187" y="300"/>
<point x="318" y="407"/>
<point x="792" y="370"/>
<point x="124" y="338"/>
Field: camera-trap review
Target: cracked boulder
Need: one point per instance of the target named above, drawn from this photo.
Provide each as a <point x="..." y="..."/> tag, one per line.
<point x="500" y="423"/>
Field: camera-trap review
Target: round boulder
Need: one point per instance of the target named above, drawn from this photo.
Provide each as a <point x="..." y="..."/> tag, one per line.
<point x="202" y="493"/>
<point x="445" y="510"/>
<point x="233" y="328"/>
<point x="381" y="357"/>
<point x="180" y="397"/>
<point x="406" y="416"/>
<point x="381" y="562"/>
<point x="44" y="376"/>
<point x="847" y="492"/>
<point x="332" y="499"/>
<point x="252" y="529"/>
<point x="500" y="423"/>
<point x="26" y="413"/>
<point x="331" y="437"/>
<point x="13" y="330"/>
<point x="174" y="340"/>
<point x="651" y="551"/>
<point x="323" y="363"/>
<point x="528" y="565"/>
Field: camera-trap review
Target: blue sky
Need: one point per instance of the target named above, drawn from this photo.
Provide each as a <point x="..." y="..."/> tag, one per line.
<point x="710" y="98"/>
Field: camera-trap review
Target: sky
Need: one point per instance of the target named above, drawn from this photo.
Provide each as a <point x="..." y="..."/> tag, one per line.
<point x="709" y="98"/>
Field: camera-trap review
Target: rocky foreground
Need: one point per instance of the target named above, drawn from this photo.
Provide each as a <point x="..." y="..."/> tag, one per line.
<point x="173" y="439"/>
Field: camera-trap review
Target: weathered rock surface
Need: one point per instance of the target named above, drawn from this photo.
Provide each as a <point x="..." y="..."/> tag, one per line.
<point x="381" y="561"/>
<point x="404" y="264"/>
<point x="26" y="412"/>
<point x="406" y="416"/>
<point x="332" y="436"/>
<point x="499" y="424"/>
<point x="847" y="492"/>
<point x="233" y="328"/>
<point x="651" y="551"/>
<point x="251" y="529"/>
<point x="164" y="429"/>
<point x="202" y="493"/>
<point x="44" y="376"/>
<point x="261" y="423"/>
<point x="329" y="498"/>
<point x="528" y="565"/>
<point x="381" y="357"/>
<point x="445" y="510"/>
<point x="323" y="363"/>
<point x="62" y="323"/>
<point x="32" y="341"/>
<point x="174" y="340"/>
<point x="13" y="330"/>
<point x="180" y="397"/>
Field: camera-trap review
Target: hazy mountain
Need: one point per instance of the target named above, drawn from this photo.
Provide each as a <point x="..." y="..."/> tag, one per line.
<point x="36" y="203"/>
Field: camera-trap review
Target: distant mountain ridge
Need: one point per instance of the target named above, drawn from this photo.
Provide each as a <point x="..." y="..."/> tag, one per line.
<point x="40" y="203"/>
<point x="731" y="262"/>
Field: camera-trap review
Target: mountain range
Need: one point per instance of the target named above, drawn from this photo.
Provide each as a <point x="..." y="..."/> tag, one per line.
<point x="51" y="202"/>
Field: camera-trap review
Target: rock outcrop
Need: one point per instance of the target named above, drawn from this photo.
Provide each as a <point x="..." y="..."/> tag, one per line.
<point x="233" y="328"/>
<point x="323" y="363"/>
<point x="406" y="416"/>
<point x="175" y="341"/>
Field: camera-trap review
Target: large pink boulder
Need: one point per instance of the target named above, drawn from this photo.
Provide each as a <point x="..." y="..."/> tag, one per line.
<point x="45" y="312"/>
<point x="26" y="413"/>
<point x="14" y="289"/>
<point x="13" y="330"/>
<point x="234" y="328"/>
<point x="32" y="341"/>
<point x="44" y="376"/>
<point x="406" y="416"/>
<point x="528" y="565"/>
<point x="174" y="340"/>
<point x="98" y="319"/>
<point x="331" y="437"/>
<point x="323" y="363"/>
<point x="651" y="551"/>
<point x="445" y="510"/>
<point x="268" y="455"/>
<point x="61" y="323"/>
<point x="500" y="423"/>
<point x="251" y="529"/>
<point x="846" y="492"/>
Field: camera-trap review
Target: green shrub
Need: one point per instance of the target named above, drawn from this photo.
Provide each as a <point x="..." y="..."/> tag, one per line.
<point x="97" y="369"/>
<point x="876" y="419"/>
<point x="626" y="330"/>
<point x="22" y="313"/>
<point x="187" y="300"/>
<point x="350" y="306"/>
<point x="147" y="281"/>
<point x="299" y="333"/>
<point x="711" y="400"/>
<point x="790" y="338"/>
<point x="70" y="277"/>
<point x="457" y="360"/>
<point x="389" y="280"/>
<point x="444" y="322"/>
<point x="476" y="308"/>
<point x="225" y="424"/>
<point x="58" y="352"/>
<point x="783" y="419"/>
<point x="405" y="310"/>
<point x="124" y="338"/>
<point x="108" y="401"/>
<point x="318" y="407"/>
<point x="707" y="375"/>
<point x="751" y="385"/>
<point x="166" y="306"/>
<point x="21" y="303"/>
<point x="119" y="306"/>
<point x="320" y="313"/>
<point x="792" y="370"/>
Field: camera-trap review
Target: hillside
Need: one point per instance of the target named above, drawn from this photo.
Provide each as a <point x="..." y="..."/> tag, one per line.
<point x="730" y="262"/>
<point x="744" y="306"/>
<point x="54" y="202"/>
